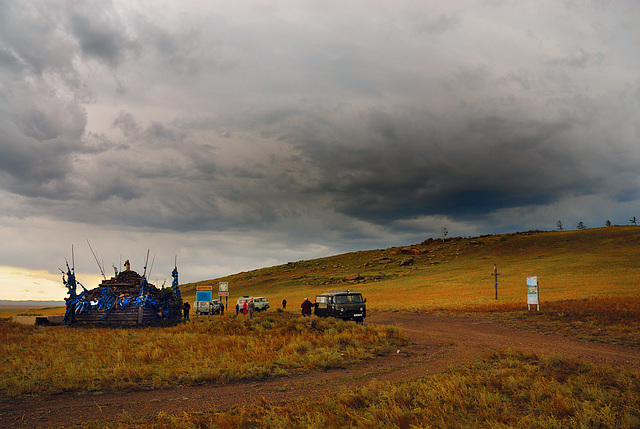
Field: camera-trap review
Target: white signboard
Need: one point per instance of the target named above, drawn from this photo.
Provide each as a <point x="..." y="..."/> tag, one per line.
<point x="532" y="292"/>
<point x="223" y="289"/>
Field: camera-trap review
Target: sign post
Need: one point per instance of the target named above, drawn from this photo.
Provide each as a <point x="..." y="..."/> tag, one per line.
<point x="532" y="293"/>
<point x="223" y="290"/>
<point x="495" y="274"/>
<point x="203" y="293"/>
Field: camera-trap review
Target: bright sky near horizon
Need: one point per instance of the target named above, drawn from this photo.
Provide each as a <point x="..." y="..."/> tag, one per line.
<point x="18" y="285"/>
<point x="239" y="135"/>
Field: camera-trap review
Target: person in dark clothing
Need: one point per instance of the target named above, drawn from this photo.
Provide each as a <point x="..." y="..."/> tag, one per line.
<point x="284" y="304"/>
<point x="221" y="309"/>
<point x="306" y="307"/>
<point x="251" y="307"/>
<point x="185" y="310"/>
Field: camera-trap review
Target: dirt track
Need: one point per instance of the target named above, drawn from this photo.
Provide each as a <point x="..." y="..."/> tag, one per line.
<point x="439" y="342"/>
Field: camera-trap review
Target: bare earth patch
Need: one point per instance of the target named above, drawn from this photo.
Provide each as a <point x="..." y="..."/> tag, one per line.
<point x="438" y="342"/>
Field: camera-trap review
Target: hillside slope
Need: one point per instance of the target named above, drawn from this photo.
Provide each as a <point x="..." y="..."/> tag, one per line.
<point x="457" y="271"/>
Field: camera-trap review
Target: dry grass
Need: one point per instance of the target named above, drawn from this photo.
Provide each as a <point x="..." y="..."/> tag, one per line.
<point x="606" y="320"/>
<point x="504" y="389"/>
<point x="9" y="312"/>
<point x="38" y="360"/>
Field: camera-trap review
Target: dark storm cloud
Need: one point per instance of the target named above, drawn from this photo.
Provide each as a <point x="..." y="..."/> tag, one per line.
<point x="100" y="34"/>
<point x="42" y="123"/>
<point x="295" y="124"/>
<point x="403" y="172"/>
<point x="39" y="135"/>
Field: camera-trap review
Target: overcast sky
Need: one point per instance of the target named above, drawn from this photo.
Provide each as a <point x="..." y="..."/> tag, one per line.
<point x="238" y="135"/>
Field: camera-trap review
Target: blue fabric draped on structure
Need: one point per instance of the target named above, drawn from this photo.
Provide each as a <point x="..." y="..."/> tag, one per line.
<point x="174" y="283"/>
<point x="71" y="300"/>
<point x="127" y="290"/>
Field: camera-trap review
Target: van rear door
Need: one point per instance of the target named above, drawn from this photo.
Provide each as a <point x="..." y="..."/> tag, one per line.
<point x="320" y="309"/>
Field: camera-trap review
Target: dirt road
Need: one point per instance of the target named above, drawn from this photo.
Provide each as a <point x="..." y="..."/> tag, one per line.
<point x="439" y="342"/>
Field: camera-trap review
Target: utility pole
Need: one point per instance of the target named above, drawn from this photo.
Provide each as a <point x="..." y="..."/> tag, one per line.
<point x="495" y="274"/>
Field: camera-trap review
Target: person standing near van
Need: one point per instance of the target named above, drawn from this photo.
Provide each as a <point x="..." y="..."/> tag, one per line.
<point x="252" y="308"/>
<point x="306" y="307"/>
<point x="185" y="309"/>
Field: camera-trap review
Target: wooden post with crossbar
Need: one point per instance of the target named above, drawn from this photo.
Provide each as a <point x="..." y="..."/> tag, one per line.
<point x="495" y="274"/>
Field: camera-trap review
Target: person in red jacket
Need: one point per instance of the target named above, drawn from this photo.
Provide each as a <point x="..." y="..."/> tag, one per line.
<point x="306" y="307"/>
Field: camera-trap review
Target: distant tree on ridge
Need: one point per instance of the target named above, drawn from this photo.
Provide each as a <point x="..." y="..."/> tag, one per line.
<point x="581" y="225"/>
<point x="560" y="228"/>
<point x="633" y="221"/>
<point x="607" y="223"/>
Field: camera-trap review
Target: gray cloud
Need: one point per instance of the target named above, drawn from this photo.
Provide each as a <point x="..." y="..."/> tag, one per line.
<point x="126" y="122"/>
<point x="436" y="25"/>
<point x="100" y="33"/>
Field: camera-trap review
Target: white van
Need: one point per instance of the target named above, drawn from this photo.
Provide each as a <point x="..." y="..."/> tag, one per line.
<point x="260" y="302"/>
<point x="207" y="307"/>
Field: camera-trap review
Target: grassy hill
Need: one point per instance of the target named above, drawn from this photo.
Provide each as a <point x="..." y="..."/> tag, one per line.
<point x="456" y="272"/>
